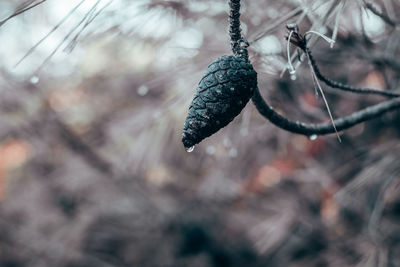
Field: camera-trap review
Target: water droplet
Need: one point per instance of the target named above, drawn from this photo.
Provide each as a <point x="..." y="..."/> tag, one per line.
<point x="190" y="149"/>
<point x="227" y="142"/>
<point x="233" y="153"/>
<point x="143" y="90"/>
<point x="313" y="137"/>
<point x="34" y="79"/>
<point x="244" y="44"/>
<point x="210" y="150"/>
<point x="232" y="89"/>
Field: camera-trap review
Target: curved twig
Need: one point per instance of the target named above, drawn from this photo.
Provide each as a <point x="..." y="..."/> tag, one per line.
<point x="322" y="128"/>
<point x="301" y="42"/>
<point x="345" y="87"/>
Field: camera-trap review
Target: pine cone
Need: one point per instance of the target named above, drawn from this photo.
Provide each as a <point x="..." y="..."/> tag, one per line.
<point x="222" y="93"/>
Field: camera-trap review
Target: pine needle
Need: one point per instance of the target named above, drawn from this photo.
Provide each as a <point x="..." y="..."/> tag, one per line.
<point x="317" y="84"/>
<point x="33" y="48"/>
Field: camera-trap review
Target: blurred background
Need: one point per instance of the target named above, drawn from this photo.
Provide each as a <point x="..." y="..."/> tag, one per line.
<point x="93" y="96"/>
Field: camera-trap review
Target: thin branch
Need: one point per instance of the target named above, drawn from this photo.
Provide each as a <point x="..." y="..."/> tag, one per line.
<point x="380" y="14"/>
<point x="301" y="42"/>
<point x="345" y="87"/>
<point x="68" y="35"/>
<point x="234" y="19"/>
<point x="238" y="44"/>
<point x="20" y="11"/>
<point x="275" y="24"/>
<point x="74" y="40"/>
<point x="299" y="127"/>
<point x="30" y="51"/>
<point x="322" y="128"/>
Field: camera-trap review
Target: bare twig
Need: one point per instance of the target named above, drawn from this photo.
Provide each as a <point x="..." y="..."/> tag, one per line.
<point x="74" y="40"/>
<point x="274" y="25"/>
<point x="382" y="15"/>
<point x="322" y="128"/>
<point x="19" y="11"/>
<point x="30" y="51"/>
<point x="68" y="35"/>
<point x="345" y="87"/>
<point x="301" y="42"/>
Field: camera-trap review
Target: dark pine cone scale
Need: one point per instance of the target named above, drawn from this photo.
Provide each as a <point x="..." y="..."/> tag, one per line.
<point x="222" y="93"/>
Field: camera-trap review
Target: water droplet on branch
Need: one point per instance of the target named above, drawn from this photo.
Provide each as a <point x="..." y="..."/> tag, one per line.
<point x="313" y="137"/>
<point x="142" y="90"/>
<point x="34" y="79"/>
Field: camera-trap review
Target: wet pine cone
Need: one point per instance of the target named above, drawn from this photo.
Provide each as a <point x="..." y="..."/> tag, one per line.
<point x="222" y="93"/>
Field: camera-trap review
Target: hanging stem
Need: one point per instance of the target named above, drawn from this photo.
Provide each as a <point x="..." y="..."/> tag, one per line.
<point x="238" y="44"/>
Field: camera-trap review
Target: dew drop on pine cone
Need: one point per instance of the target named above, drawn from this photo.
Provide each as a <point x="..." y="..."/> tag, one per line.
<point x="190" y="149"/>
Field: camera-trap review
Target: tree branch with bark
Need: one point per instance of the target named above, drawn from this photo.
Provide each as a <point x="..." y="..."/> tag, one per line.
<point x="309" y="129"/>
